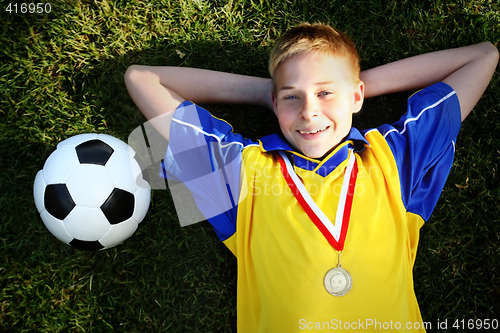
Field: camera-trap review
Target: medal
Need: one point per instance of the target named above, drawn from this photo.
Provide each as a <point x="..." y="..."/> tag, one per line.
<point x="337" y="281"/>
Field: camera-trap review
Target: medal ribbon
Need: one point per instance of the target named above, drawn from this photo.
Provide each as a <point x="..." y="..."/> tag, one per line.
<point x="334" y="234"/>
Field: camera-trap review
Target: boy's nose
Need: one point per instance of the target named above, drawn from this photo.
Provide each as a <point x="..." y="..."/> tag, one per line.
<point x="309" y="109"/>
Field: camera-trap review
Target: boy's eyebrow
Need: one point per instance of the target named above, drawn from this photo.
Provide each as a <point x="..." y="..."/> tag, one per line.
<point x="324" y="83"/>
<point x="316" y="84"/>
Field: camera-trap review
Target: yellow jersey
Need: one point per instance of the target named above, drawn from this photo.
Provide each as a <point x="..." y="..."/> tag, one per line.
<point x="239" y="186"/>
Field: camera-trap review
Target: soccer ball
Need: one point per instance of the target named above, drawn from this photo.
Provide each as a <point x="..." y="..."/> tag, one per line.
<point x="91" y="193"/>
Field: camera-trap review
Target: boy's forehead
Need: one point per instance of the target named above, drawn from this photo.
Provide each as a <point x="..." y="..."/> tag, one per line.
<point x="304" y="60"/>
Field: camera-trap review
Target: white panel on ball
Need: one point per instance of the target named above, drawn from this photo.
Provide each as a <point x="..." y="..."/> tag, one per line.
<point x="90" y="179"/>
<point x="142" y="200"/>
<point x="86" y="223"/>
<point x="56" y="227"/>
<point x="123" y="171"/>
<point x="38" y="191"/>
<point x="118" y="233"/>
<point x="60" y="165"/>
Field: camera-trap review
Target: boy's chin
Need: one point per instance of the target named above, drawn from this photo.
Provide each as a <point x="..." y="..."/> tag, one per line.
<point x="317" y="153"/>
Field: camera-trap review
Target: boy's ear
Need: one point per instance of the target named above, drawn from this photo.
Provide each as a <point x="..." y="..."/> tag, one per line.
<point x="359" y="96"/>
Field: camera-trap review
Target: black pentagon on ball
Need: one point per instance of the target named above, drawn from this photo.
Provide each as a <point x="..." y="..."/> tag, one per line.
<point x="94" y="152"/>
<point x="86" y="245"/>
<point x="119" y="206"/>
<point x="58" y="201"/>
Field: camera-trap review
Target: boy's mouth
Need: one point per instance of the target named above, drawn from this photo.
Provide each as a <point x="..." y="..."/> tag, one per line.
<point x="314" y="131"/>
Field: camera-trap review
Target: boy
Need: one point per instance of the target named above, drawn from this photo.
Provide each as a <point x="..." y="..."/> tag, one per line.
<point x="324" y="219"/>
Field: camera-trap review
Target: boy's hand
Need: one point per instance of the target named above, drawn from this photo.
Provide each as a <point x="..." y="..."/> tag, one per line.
<point x="468" y="70"/>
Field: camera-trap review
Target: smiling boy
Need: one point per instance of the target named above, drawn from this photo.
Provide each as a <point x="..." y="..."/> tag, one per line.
<point x="315" y="97"/>
<point x="330" y="243"/>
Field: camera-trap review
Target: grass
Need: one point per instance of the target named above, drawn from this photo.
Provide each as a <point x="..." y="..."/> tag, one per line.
<point x="61" y="74"/>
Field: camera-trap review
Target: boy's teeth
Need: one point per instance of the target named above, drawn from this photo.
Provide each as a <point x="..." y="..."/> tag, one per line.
<point x="313" y="132"/>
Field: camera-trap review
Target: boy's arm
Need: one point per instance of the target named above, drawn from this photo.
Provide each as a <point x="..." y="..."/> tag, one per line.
<point x="159" y="90"/>
<point x="468" y="70"/>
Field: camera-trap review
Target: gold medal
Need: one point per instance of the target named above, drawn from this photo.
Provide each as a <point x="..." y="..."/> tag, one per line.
<point x="338" y="281"/>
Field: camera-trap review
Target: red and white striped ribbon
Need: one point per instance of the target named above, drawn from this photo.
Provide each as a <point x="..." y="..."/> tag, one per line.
<point x="335" y="234"/>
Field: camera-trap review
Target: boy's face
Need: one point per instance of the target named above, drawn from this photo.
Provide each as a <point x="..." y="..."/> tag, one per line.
<point x="314" y="101"/>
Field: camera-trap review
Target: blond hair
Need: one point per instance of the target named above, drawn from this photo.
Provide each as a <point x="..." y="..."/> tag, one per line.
<point x="317" y="37"/>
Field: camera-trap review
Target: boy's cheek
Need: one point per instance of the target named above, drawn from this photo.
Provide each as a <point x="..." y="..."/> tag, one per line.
<point x="290" y="139"/>
<point x="287" y="136"/>
<point x="283" y="120"/>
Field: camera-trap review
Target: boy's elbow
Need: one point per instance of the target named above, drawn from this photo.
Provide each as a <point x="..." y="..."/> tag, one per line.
<point x="138" y="75"/>
<point x="495" y="52"/>
<point x="132" y="74"/>
<point x="490" y="51"/>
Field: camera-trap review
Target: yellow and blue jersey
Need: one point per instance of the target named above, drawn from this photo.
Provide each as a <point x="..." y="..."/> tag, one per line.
<point x="282" y="257"/>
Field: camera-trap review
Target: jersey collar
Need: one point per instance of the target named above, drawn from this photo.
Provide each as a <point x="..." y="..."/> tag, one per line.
<point x="354" y="139"/>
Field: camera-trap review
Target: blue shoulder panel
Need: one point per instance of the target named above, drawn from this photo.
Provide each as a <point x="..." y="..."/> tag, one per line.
<point x="205" y="156"/>
<point x="423" y="144"/>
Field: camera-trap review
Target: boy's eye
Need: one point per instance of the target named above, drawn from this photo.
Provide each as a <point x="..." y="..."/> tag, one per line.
<point x="325" y="93"/>
<point x="290" y="97"/>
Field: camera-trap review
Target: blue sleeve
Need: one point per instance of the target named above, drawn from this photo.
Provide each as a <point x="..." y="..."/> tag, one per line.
<point x="423" y="145"/>
<point x="204" y="155"/>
